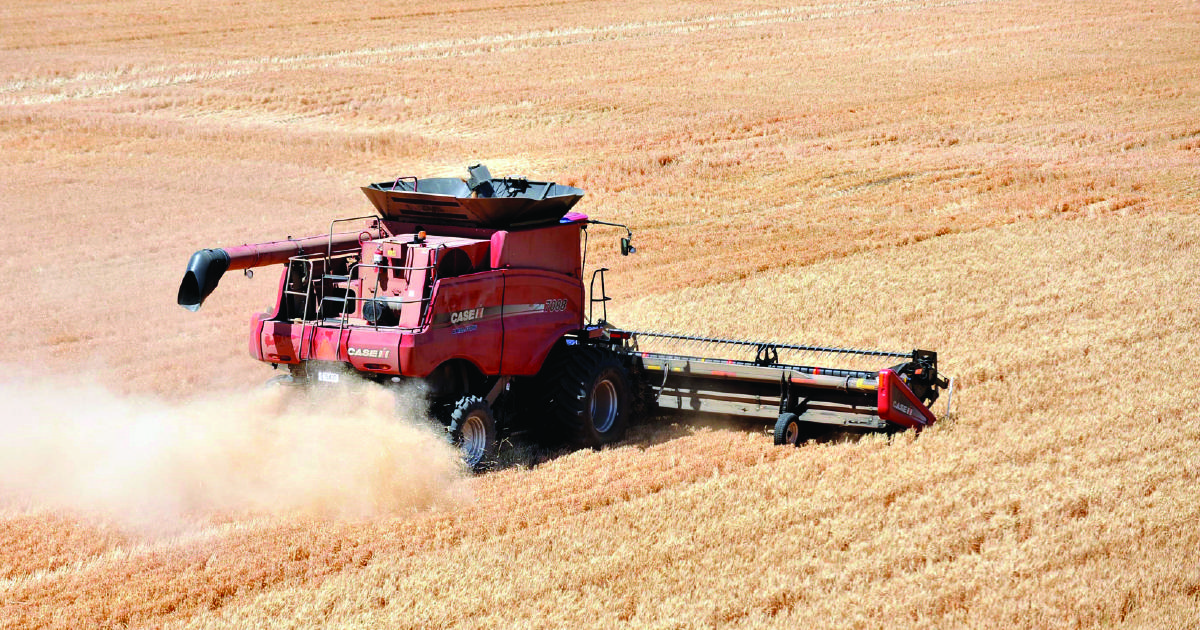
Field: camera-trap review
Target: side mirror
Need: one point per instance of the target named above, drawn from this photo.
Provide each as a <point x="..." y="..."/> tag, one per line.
<point x="626" y="247"/>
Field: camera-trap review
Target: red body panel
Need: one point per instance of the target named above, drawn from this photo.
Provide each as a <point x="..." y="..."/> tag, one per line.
<point x="259" y="321"/>
<point x="256" y="336"/>
<point x="367" y="349"/>
<point x="551" y="249"/>
<point x="899" y="405"/>
<point x="464" y="322"/>
<point x="539" y="308"/>
<point x="525" y="294"/>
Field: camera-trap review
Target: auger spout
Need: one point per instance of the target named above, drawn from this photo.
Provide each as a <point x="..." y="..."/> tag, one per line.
<point x="206" y="266"/>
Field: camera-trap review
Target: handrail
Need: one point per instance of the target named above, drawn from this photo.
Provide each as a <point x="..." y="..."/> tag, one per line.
<point x="307" y="294"/>
<point x="343" y="320"/>
<point x="329" y="243"/>
<point x="308" y="259"/>
<point x="402" y="178"/>
<point x="344" y="317"/>
<point x="603" y="299"/>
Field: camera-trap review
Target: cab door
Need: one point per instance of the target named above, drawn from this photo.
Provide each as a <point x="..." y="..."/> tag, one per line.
<point x="539" y="308"/>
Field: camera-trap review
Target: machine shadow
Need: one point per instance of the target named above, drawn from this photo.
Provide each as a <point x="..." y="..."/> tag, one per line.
<point x="524" y="450"/>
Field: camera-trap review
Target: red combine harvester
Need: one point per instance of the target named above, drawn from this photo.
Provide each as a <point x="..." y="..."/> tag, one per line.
<point x="475" y="289"/>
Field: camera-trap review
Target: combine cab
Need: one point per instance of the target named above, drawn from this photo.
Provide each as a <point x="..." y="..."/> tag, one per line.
<point x="475" y="289"/>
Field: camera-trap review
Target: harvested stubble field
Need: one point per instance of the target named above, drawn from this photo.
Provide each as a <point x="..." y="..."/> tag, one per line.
<point x="1012" y="183"/>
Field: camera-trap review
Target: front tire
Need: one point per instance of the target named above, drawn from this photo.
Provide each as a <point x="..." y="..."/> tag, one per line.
<point x="587" y="395"/>
<point x="473" y="430"/>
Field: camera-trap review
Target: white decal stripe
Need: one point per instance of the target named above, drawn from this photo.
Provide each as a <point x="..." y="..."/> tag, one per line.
<point x="447" y="320"/>
<point x="523" y="309"/>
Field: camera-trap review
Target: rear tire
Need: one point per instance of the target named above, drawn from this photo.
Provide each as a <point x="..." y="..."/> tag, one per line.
<point x="473" y="430"/>
<point x="789" y="430"/>
<point x="587" y="395"/>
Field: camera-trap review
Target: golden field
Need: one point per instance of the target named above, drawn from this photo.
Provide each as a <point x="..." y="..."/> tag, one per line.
<point x="1011" y="183"/>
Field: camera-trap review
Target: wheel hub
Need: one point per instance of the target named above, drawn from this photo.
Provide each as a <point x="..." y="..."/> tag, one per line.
<point x="793" y="432"/>
<point x="604" y="406"/>
<point x="473" y="440"/>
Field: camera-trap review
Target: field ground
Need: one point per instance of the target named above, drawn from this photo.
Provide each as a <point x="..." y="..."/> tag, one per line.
<point x="1012" y="183"/>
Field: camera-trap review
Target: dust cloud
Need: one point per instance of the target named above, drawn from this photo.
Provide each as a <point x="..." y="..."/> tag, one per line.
<point x="150" y="463"/>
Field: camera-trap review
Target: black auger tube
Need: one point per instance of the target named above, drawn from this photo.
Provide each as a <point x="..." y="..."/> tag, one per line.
<point x="204" y="271"/>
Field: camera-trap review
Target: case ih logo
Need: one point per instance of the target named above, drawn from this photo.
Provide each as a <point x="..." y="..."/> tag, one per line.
<point x="899" y="405"/>
<point x="908" y="411"/>
<point x="466" y="316"/>
<point x="369" y="353"/>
